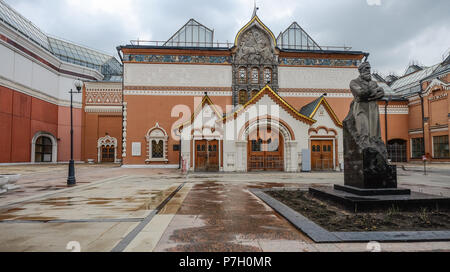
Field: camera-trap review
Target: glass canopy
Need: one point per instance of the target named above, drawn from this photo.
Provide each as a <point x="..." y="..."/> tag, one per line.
<point x="294" y="37"/>
<point x="83" y="56"/>
<point x="192" y="34"/>
<point x="411" y="83"/>
<point x="22" y="25"/>
<point x="65" y="51"/>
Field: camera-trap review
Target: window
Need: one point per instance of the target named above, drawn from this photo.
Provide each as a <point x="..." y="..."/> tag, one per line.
<point x="242" y="76"/>
<point x="44" y="149"/>
<point x="397" y="150"/>
<point x="257" y="145"/>
<point x="157" y="149"/>
<point x="255" y="76"/>
<point x="242" y="97"/>
<point x="157" y="144"/>
<point x="267" y="76"/>
<point x="417" y="148"/>
<point x="440" y="147"/>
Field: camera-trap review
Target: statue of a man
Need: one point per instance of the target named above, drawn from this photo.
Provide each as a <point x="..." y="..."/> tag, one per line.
<point x="365" y="106"/>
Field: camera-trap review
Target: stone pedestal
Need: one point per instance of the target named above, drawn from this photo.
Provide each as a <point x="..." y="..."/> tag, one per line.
<point x="366" y="164"/>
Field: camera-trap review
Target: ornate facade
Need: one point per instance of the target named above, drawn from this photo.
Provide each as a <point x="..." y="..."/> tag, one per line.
<point x="263" y="103"/>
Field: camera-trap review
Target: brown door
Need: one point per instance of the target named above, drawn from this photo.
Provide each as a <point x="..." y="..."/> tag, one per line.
<point x="207" y="156"/>
<point x="107" y="154"/>
<point x="265" y="151"/>
<point x="322" y="155"/>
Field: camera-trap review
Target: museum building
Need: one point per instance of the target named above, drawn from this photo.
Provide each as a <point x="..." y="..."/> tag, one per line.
<point x="261" y="103"/>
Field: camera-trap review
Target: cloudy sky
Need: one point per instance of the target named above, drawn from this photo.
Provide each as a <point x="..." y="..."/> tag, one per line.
<point x="395" y="32"/>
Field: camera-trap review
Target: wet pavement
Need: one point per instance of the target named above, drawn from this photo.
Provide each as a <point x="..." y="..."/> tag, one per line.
<point x="211" y="212"/>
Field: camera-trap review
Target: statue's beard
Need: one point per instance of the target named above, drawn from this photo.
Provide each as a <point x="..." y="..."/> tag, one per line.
<point x="366" y="77"/>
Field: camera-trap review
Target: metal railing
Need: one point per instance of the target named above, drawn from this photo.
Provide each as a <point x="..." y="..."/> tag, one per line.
<point x="230" y="44"/>
<point x="182" y="44"/>
<point x="322" y="48"/>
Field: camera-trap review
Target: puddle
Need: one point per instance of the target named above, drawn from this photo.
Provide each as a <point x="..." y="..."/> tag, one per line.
<point x="227" y="211"/>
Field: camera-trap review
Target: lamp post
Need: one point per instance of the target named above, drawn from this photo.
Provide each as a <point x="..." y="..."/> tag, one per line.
<point x="71" y="181"/>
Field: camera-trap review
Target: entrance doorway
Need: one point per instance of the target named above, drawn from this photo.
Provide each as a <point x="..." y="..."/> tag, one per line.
<point x="43" y="150"/>
<point x="322" y="155"/>
<point x="397" y="150"/>
<point x="265" y="151"/>
<point x="207" y="156"/>
<point x="108" y="153"/>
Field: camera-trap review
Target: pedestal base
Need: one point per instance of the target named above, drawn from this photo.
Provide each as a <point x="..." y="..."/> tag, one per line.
<point x="372" y="192"/>
<point x="379" y="202"/>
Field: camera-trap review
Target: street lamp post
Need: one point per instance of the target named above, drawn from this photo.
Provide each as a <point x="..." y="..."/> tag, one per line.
<point x="71" y="181"/>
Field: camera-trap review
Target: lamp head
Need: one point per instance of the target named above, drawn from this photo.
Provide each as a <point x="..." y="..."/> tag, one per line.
<point x="78" y="84"/>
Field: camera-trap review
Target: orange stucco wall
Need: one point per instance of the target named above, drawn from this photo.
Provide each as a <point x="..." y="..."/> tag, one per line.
<point x="145" y="111"/>
<point x="22" y="116"/>
<point x="97" y="126"/>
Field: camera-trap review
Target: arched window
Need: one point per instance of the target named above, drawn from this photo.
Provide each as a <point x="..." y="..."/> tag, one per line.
<point x="243" y="97"/>
<point x="255" y="76"/>
<point x="267" y="76"/>
<point x="157" y="149"/>
<point x="242" y="75"/>
<point x="157" y="141"/>
<point x="254" y="93"/>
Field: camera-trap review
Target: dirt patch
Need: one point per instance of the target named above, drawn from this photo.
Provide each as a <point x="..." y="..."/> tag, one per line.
<point x="334" y="219"/>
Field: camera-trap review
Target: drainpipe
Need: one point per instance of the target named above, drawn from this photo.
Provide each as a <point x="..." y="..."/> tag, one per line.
<point x="118" y="48"/>
<point x="423" y="127"/>
<point x="386" y="103"/>
<point x="179" y="156"/>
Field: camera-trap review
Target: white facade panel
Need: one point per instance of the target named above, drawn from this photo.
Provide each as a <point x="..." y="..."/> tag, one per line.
<point x="23" y="70"/>
<point x="137" y="74"/>
<point x="65" y="84"/>
<point x="7" y="62"/>
<point x="315" y="77"/>
<point x="44" y="80"/>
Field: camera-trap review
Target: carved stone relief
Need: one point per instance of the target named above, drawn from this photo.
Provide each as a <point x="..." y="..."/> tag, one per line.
<point x="254" y="50"/>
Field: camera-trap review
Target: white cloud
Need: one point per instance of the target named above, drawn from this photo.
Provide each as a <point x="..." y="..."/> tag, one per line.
<point x="374" y="2"/>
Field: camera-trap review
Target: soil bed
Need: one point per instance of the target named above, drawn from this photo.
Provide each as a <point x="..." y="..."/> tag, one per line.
<point x="334" y="219"/>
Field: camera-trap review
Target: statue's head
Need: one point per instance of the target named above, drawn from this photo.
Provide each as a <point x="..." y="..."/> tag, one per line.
<point x="364" y="70"/>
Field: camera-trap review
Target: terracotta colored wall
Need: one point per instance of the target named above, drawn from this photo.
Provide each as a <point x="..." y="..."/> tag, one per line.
<point x="439" y="111"/>
<point x="145" y="111"/>
<point x="415" y="117"/>
<point x="22" y="116"/>
<point x="96" y="127"/>
<point x="64" y="134"/>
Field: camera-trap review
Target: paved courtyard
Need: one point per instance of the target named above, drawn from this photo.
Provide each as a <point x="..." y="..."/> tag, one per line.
<point x="117" y="209"/>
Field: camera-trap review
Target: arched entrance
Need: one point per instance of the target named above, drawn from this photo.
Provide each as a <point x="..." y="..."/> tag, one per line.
<point x="397" y="150"/>
<point x="265" y="150"/>
<point x="43" y="148"/>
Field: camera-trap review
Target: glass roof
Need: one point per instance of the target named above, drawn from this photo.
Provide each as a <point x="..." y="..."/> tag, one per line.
<point x="410" y="83"/>
<point x="65" y="51"/>
<point x="83" y="56"/>
<point x="21" y="24"/>
<point x="192" y="34"/>
<point x="294" y="37"/>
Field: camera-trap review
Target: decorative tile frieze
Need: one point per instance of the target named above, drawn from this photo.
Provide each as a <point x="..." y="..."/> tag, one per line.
<point x="178" y="59"/>
<point x="103" y="97"/>
<point x="320" y="62"/>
